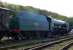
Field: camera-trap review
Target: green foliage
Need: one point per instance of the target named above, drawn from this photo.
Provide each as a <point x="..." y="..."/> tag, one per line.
<point x="70" y="20"/>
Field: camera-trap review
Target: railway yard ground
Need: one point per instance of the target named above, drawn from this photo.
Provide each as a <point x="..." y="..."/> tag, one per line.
<point x="45" y="44"/>
<point x="59" y="46"/>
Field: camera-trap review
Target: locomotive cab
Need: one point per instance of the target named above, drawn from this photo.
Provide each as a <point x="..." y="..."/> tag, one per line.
<point x="5" y="17"/>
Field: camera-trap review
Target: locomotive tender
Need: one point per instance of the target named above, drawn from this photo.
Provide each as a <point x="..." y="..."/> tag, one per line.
<point x="27" y="25"/>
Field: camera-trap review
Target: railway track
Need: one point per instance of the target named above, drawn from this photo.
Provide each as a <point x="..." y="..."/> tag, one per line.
<point x="59" y="45"/>
<point x="68" y="47"/>
<point x="38" y="46"/>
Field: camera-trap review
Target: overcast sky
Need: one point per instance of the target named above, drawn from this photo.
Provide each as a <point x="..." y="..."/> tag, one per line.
<point x="63" y="7"/>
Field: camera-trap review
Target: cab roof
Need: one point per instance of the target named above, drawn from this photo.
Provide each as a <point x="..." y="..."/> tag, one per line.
<point x="6" y="9"/>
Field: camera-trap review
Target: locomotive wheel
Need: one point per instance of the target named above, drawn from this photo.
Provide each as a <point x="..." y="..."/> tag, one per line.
<point x="1" y="37"/>
<point x="15" y="36"/>
<point x="2" y="34"/>
<point x="34" y="35"/>
<point x="18" y="36"/>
